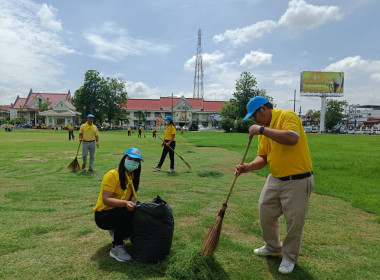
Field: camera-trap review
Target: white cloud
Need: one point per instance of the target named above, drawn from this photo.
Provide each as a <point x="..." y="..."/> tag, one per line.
<point x="354" y="63"/>
<point x="212" y="62"/>
<point x="141" y="90"/>
<point x="47" y="18"/>
<point x="301" y="15"/>
<point x="375" y="77"/>
<point x="256" y="58"/>
<point x="243" y="35"/>
<point x="113" y="43"/>
<point x="29" y="50"/>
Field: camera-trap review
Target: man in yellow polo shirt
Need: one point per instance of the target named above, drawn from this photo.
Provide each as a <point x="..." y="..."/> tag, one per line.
<point x="283" y="146"/>
<point x="70" y="127"/>
<point x="88" y="134"/>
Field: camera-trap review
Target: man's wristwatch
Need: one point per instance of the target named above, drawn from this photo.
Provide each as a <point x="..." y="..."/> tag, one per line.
<point x="261" y="129"/>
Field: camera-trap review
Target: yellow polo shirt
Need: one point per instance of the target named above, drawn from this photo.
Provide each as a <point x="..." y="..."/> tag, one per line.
<point x="285" y="160"/>
<point x="70" y="127"/>
<point x="111" y="183"/>
<point x="169" y="130"/>
<point x="89" y="132"/>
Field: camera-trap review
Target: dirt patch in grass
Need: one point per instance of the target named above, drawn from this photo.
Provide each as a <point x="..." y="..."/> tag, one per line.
<point x="39" y="159"/>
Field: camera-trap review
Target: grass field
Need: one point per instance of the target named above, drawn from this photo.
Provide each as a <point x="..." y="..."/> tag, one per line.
<point x="48" y="232"/>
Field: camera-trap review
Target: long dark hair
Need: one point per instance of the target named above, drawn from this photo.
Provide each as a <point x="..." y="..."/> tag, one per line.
<point x="123" y="179"/>
<point x="171" y="122"/>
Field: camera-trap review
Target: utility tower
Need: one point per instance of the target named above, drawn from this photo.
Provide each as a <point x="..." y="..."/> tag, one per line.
<point x="198" y="73"/>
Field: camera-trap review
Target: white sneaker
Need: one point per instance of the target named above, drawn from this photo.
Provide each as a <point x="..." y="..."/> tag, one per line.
<point x="265" y="252"/>
<point x="171" y="170"/>
<point x="118" y="252"/>
<point x="157" y="168"/>
<point x="286" y="267"/>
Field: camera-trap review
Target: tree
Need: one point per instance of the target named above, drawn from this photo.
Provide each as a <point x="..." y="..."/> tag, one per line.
<point x="246" y="89"/>
<point x="102" y="97"/>
<point x="236" y="108"/>
<point x="114" y="98"/>
<point x="141" y="117"/>
<point x="334" y="112"/>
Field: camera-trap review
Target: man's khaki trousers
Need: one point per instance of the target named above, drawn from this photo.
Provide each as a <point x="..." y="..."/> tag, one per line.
<point x="290" y="198"/>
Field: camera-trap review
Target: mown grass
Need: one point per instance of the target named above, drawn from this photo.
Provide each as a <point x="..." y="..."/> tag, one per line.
<point x="48" y="231"/>
<point x="345" y="166"/>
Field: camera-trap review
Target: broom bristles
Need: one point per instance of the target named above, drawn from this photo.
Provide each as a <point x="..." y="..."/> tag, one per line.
<point x="212" y="239"/>
<point x="74" y="165"/>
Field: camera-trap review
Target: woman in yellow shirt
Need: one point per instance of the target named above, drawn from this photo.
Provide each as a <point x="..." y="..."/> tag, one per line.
<point x="113" y="210"/>
<point x="169" y="141"/>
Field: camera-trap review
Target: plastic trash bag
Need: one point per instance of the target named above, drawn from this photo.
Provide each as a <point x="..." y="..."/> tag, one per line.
<point x="152" y="230"/>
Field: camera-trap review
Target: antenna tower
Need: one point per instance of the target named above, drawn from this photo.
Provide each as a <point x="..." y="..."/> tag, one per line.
<point x="198" y="73"/>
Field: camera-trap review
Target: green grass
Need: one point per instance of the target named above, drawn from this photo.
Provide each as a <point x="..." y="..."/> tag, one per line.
<point x="345" y="166"/>
<point x="48" y="230"/>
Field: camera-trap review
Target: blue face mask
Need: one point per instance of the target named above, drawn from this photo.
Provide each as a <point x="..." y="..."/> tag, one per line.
<point x="131" y="165"/>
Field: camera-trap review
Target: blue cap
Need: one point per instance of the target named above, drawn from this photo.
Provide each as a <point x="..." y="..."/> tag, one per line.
<point x="90" y="116"/>
<point x="254" y="104"/>
<point x="134" y="153"/>
<point x="168" y="118"/>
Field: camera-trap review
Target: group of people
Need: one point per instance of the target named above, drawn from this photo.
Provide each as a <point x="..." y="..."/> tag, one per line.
<point x="282" y="145"/>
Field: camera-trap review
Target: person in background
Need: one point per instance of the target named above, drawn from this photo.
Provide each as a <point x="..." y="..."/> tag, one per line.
<point x="88" y="134"/>
<point x="140" y="130"/>
<point x="129" y="131"/>
<point x="182" y="130"/>
<point x="169" y="141"/>
<point x="71" y="131"/>
<point x="115" y="204"/>
<point x="154" y="129"/>
<point x="283" y="146"/>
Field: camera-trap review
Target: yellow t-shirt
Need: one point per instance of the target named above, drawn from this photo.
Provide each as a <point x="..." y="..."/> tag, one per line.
<point x="285" y="160"/>
<point x="169" y="130"/>
<point x="89" y="132"/>
<point x="111" y="183"/>
<point x="140" y="128"/>
<point x="129" y="128"/>
<point x="70" y="127"/>
<point x="154" y="128"/>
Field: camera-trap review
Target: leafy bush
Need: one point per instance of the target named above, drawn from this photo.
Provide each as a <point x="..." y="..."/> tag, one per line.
<point x="242" y="126"/>
<point x="227" y="124"/>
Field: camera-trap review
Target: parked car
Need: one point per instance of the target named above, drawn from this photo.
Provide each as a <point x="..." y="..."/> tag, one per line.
<point x="315" y="129"/>
<point x="201" y="128"/>
<point x="343" y="130"/>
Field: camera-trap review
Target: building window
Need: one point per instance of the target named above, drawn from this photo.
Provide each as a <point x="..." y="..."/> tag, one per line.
<point x="135" y="114"/>
<point x="167" y="114"/>
<point x="147" y="114"/>
<point x="157" y="114"/>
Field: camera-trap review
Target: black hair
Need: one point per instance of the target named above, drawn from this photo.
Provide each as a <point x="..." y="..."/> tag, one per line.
<point x="122" y="178"/>
<point x="268" y="105"/>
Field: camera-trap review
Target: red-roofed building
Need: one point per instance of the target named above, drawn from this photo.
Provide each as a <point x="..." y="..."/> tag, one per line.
<point x="59" y="109"/>
<point x="185" y="111"/>
<point x="4" y="111"/>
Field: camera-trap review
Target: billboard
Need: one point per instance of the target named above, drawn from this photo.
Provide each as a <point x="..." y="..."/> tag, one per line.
<point x="331" y="83"/>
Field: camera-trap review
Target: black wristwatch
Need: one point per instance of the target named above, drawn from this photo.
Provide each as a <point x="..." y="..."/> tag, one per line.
<point x="261" y="130"/>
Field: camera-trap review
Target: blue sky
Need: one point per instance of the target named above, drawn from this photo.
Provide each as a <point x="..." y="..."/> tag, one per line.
<point x="49" y="45"/>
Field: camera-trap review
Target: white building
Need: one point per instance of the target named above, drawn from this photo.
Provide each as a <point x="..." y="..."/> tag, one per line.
<point x="60" y="110"/>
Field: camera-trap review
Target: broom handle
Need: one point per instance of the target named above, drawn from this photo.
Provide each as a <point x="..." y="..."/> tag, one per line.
<point x="236" y="176"/>
<point x="80" y="142"/>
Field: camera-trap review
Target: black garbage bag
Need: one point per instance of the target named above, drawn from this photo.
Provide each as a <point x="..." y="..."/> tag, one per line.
<point x="152" y="230"/>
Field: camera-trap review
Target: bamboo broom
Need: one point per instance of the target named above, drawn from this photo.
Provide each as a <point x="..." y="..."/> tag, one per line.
<point x="211" y="241"/>
<point x="184" y="161"/>
<point x="74" y="165"/>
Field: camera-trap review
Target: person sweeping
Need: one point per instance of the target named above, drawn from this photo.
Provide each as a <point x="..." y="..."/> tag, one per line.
<point x="169" y="141"/>
<point x="115" y="204"/>
<point x="88" y="134"/>
<point x="283" y="146"/>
